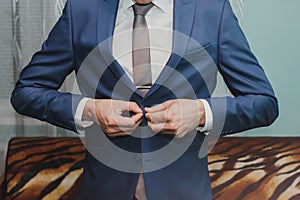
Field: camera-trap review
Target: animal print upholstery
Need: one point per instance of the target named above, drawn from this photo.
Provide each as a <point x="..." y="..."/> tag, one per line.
<point x="43" y="168"/>
<point x="257" y="168"/>
<point x="241" y="168"/>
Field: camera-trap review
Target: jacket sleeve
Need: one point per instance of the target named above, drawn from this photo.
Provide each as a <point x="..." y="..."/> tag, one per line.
<point x="36" y="92"/>
<point x="254" y="103"/>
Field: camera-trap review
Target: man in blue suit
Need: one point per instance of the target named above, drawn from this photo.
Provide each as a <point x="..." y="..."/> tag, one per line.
<point x="146" y="145"/>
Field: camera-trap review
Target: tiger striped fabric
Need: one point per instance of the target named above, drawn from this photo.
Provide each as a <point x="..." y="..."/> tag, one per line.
<point x="44" y="168"/>
<point x="241" y="168"/>
<point x="265" y="168"/>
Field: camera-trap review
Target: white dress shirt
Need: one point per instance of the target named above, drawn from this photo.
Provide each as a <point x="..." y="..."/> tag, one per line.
<point x="160" y="24"/>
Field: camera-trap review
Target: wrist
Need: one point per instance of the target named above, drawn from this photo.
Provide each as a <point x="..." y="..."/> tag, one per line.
<point x="201" y="110"/>
<point x="89" y="111"/>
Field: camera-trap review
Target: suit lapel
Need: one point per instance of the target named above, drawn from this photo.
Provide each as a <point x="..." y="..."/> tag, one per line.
<point x="107" y="13"/>
<point x="183" y="19"/>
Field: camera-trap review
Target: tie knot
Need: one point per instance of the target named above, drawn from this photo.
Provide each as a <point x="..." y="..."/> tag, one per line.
<point x="142" y="9"/>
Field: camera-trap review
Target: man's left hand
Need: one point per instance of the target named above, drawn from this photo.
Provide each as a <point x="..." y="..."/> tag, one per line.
<point x="176" y="117"/>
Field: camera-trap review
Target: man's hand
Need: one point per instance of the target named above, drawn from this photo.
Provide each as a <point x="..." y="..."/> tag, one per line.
<point x="176" y="117"/>
<point x="108" y="114"/>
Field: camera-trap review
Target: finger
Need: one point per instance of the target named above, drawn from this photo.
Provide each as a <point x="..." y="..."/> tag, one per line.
<point x="156" y="128"/>
<point x="112" y="130"/>
<point x="135" y="126"/>
<point x="137" y="117"/>
<point x="134" y="107"/>
<point x="116" y="130"/>
<point x="130" y="128"/>
<point x="120" y="106"/>
<point x="137" y="123"/>
<point x="122" y="131"/>
<point x="122" y="121"/>
<point x="157" y="117"/>
<point x="130" y="131"/>
<point x="181" y="135"/>
<point x="125" y="121"/>
<point x="156" y="108"/>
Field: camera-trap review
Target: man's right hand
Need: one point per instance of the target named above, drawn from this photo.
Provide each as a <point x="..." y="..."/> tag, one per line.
<point x="108" y="114"/>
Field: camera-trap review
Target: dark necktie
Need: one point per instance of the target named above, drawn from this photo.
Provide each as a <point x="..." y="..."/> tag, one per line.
<point x="142" y="77"/>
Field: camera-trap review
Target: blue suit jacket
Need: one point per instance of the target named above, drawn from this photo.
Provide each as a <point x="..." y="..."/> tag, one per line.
<point x="220" y="45"/>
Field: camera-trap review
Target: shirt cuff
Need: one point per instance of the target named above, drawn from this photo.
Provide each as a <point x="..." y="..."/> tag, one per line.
<point x="78" y="115"/>
<point x="208" y="119"/>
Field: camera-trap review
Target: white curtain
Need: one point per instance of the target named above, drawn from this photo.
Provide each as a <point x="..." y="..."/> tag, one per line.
<point x="31" y="23"/>
<point x="24" y="25"/>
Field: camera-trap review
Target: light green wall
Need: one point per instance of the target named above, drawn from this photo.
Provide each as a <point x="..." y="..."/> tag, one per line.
<point x="273" y="30"/>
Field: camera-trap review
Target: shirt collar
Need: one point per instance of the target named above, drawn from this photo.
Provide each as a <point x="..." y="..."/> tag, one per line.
<point x="163" y="5"/>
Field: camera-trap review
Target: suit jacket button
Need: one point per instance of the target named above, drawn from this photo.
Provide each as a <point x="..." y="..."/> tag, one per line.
<point x="137" y="158"/>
